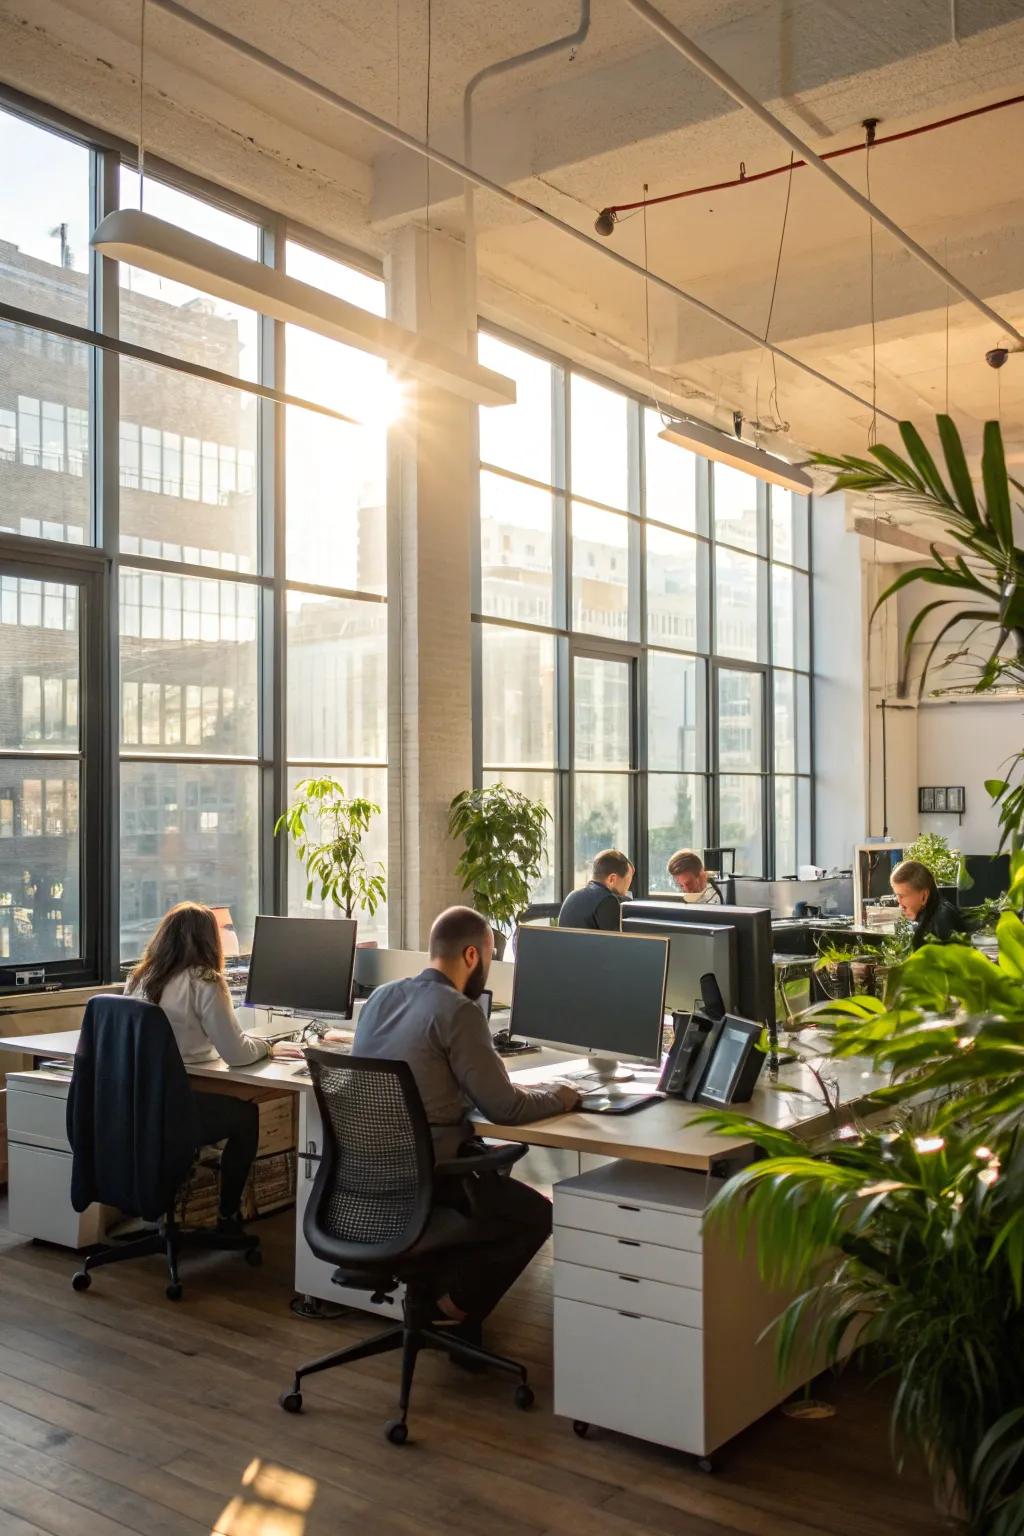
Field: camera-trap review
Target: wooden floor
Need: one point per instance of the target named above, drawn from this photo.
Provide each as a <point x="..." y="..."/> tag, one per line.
<point x="121" y="1411"/>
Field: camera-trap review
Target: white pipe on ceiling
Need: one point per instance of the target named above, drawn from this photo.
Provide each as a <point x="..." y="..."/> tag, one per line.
<point x="466" y="173"/>
<point x="707" y="66"/>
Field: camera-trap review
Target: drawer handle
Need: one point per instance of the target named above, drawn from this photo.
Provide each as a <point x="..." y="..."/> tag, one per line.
<point x="634" y="1208"/>
<point x="632" y="1279"/>
<point x="628" y="1242"/>
<point x="634" y="1315"/>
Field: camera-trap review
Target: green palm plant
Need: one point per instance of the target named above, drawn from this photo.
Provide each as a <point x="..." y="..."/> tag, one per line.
<point x="504" y="835"/>
<point x="905" y="1241"/>
<point x="983" y="583"/>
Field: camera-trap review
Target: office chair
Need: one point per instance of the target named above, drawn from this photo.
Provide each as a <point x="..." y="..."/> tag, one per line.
<point x="134" y="1135"/>
<point x="371" y="1213"/>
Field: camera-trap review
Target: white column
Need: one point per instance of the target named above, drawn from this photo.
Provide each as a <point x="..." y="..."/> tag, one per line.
<point x="432" y="496"/>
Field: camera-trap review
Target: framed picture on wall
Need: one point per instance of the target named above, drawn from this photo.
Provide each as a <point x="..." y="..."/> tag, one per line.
<point x="956" y="798"/>
<point x="939" y="797"/>
<point x="926" y="799"/>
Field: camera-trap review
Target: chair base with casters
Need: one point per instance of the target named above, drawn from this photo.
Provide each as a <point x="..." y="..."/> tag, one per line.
<point x="417" y="1331"/>
<point x="170" y="1240"/>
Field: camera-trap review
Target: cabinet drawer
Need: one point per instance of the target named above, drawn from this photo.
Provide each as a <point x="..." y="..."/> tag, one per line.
<point x="626" y="1293"/>
<point x="38" y="1119"/>
<point x="632" y="1374"/>
<point x="626" y="1256"/>
<point x="644" y="1223"/>
<point x="39" y="1199"/>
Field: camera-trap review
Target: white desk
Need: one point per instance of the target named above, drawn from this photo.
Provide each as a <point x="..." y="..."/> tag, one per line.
<point x="658" y="1325"/>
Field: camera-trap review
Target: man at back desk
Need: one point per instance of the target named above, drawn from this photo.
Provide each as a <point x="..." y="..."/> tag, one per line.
<point x="434" y="1023"/>
<point x="598" y="904"/>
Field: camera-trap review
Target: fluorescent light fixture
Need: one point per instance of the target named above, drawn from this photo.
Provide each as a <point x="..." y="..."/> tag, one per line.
<point x="145" y="241"/>
<point x="730" y="450"/>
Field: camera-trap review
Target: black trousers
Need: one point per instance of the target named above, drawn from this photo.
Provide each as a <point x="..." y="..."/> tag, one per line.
<point x="236" y="1122"/>
<point x="513" y="1221"/>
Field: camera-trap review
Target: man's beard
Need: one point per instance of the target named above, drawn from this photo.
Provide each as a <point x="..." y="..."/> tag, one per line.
<point x="476" y="981"/>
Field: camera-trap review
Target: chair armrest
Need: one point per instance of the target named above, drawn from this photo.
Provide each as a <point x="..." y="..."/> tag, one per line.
<point x="491" y="1161"/>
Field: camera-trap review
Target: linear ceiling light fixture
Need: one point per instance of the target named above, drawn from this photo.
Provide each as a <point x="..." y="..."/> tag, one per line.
<point x="143" y="240"/>
<point x="716" y="445"/>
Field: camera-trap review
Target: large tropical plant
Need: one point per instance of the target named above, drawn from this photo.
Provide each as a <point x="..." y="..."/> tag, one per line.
<point x="503" y="835"/>
<point x="906" y="1241"/>
<point x="981" y="583"/>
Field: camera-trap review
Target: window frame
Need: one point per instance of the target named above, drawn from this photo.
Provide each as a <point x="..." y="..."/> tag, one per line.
<point x="639" y="646"/>
<point x="102" y="558"/>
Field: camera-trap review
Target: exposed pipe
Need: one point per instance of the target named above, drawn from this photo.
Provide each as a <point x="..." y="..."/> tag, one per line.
<point x="745" y="180"/>
<point x="466" y="173"/>
<point x="500" y="67"/>
<point x="707" y="66"/>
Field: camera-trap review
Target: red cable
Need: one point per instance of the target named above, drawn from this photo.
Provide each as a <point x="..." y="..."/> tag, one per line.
<point x="832" y="154"/>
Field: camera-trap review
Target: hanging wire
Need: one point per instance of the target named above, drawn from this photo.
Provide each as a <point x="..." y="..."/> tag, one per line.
<point x="142" y="99"/>
<point x="426" y="137"/>
<point x="647" y="315"/>
<point x="873" y="429"/>
<point x="774" y="411"/>
<point x="946" y="263"/>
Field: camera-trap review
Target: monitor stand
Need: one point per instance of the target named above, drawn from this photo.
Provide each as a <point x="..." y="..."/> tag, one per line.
<point x="607" y="1070"/>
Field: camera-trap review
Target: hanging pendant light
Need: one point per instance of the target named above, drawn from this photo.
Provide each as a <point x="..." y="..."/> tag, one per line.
<point x="712" y="444"/>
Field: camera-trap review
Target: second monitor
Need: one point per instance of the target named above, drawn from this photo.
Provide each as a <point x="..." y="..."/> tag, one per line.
<point x="754" y="996"/>
<point x="601" y="993"/>
<point x="303" y="964"/>
<point x="695" y="949"/>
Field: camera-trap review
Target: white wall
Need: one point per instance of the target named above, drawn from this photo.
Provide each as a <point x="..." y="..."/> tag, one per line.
<point x="839" y="693"/>
<point x="963" y="742"/>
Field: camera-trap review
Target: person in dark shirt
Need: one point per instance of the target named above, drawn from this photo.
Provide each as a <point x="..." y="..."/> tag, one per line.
<point x="598" y="904"/>
<point x="434" y="1023"/>
<point x="914" y="887"/>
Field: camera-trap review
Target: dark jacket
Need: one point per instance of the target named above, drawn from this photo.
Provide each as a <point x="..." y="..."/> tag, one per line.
<point x="131" y="1117"/>
<point x="593" y="906"/>
<point x="939" y="920"/>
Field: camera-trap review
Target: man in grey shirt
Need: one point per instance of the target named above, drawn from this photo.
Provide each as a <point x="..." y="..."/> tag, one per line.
<point x="434" y="1023"/>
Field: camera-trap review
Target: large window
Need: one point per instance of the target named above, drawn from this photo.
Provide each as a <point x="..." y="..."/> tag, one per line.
<point x="233" y="547"/>
<point x="644" y="642"/>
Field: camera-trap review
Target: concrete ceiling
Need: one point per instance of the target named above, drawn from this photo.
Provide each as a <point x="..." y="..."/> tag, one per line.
<point x="574" y="134"/>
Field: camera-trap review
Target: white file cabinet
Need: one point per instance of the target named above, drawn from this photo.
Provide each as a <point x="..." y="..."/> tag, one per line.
<point x="39" y="1164"/>
<point x="313" y="1275"/>
<point x="656" y="1325"/>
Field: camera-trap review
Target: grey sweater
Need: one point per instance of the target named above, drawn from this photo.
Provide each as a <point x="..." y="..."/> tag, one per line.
<point x="446" y="1041"/>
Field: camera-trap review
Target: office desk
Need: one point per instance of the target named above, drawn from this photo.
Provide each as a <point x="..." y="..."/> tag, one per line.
<point x="658" y="1324"/>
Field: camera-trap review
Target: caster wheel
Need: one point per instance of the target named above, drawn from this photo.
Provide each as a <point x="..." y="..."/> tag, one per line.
<point x="291" y="1402"/>
<point x="173" y="1291"/>
<point x="524" y="1396"/>
<point x="81" y="1281"/>
<point x="254" y="1257"/>
<point x="705" y="1464"/>
<point x="397" y="1432"/>
<point x="580" y="1428"/>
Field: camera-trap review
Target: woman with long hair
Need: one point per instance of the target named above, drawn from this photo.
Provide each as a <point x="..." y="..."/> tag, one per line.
<point x="182" y="971"/>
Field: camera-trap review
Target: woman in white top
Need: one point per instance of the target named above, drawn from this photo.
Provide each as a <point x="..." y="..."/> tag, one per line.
<point x="182" y="971"/>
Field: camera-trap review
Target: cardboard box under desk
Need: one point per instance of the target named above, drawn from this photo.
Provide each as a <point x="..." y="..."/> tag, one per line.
<point x="278" y="1110"/>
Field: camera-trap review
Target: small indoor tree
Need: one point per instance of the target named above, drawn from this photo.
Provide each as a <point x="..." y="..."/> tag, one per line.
<point x="327" y="828"/>
<point x="504" y="834"/>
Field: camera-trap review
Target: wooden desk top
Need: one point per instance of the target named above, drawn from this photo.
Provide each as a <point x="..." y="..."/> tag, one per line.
<point x="660" y="1133"/>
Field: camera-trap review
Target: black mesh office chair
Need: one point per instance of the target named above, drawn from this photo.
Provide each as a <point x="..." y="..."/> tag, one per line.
<point x="134" y="1135"/>
<point x="371" y="1212"/>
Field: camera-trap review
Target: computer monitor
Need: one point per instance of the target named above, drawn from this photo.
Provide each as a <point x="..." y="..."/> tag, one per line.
<point x="302" y="963"/>
<point x="694" y="950"/>
<point x="584" y="990"/>
<point x="754" y="996"/>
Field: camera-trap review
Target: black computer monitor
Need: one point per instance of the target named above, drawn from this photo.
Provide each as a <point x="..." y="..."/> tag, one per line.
<point x="302" y="963"/>
<point x="754" y="997"/>
<point x="694" y="950"/>
<point x="584" y="990"/>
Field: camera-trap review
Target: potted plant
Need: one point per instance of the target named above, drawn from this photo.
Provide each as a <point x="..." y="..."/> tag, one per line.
<point x="327" y="828"/>
<point x="504" y="835"/>
<point x="933" y="851"/>
<point x="904" y="1243"/>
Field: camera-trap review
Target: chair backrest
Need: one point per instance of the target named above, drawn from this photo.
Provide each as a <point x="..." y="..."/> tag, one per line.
<point x="373" y="1190"/>
<point x="131" y="1118"/>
